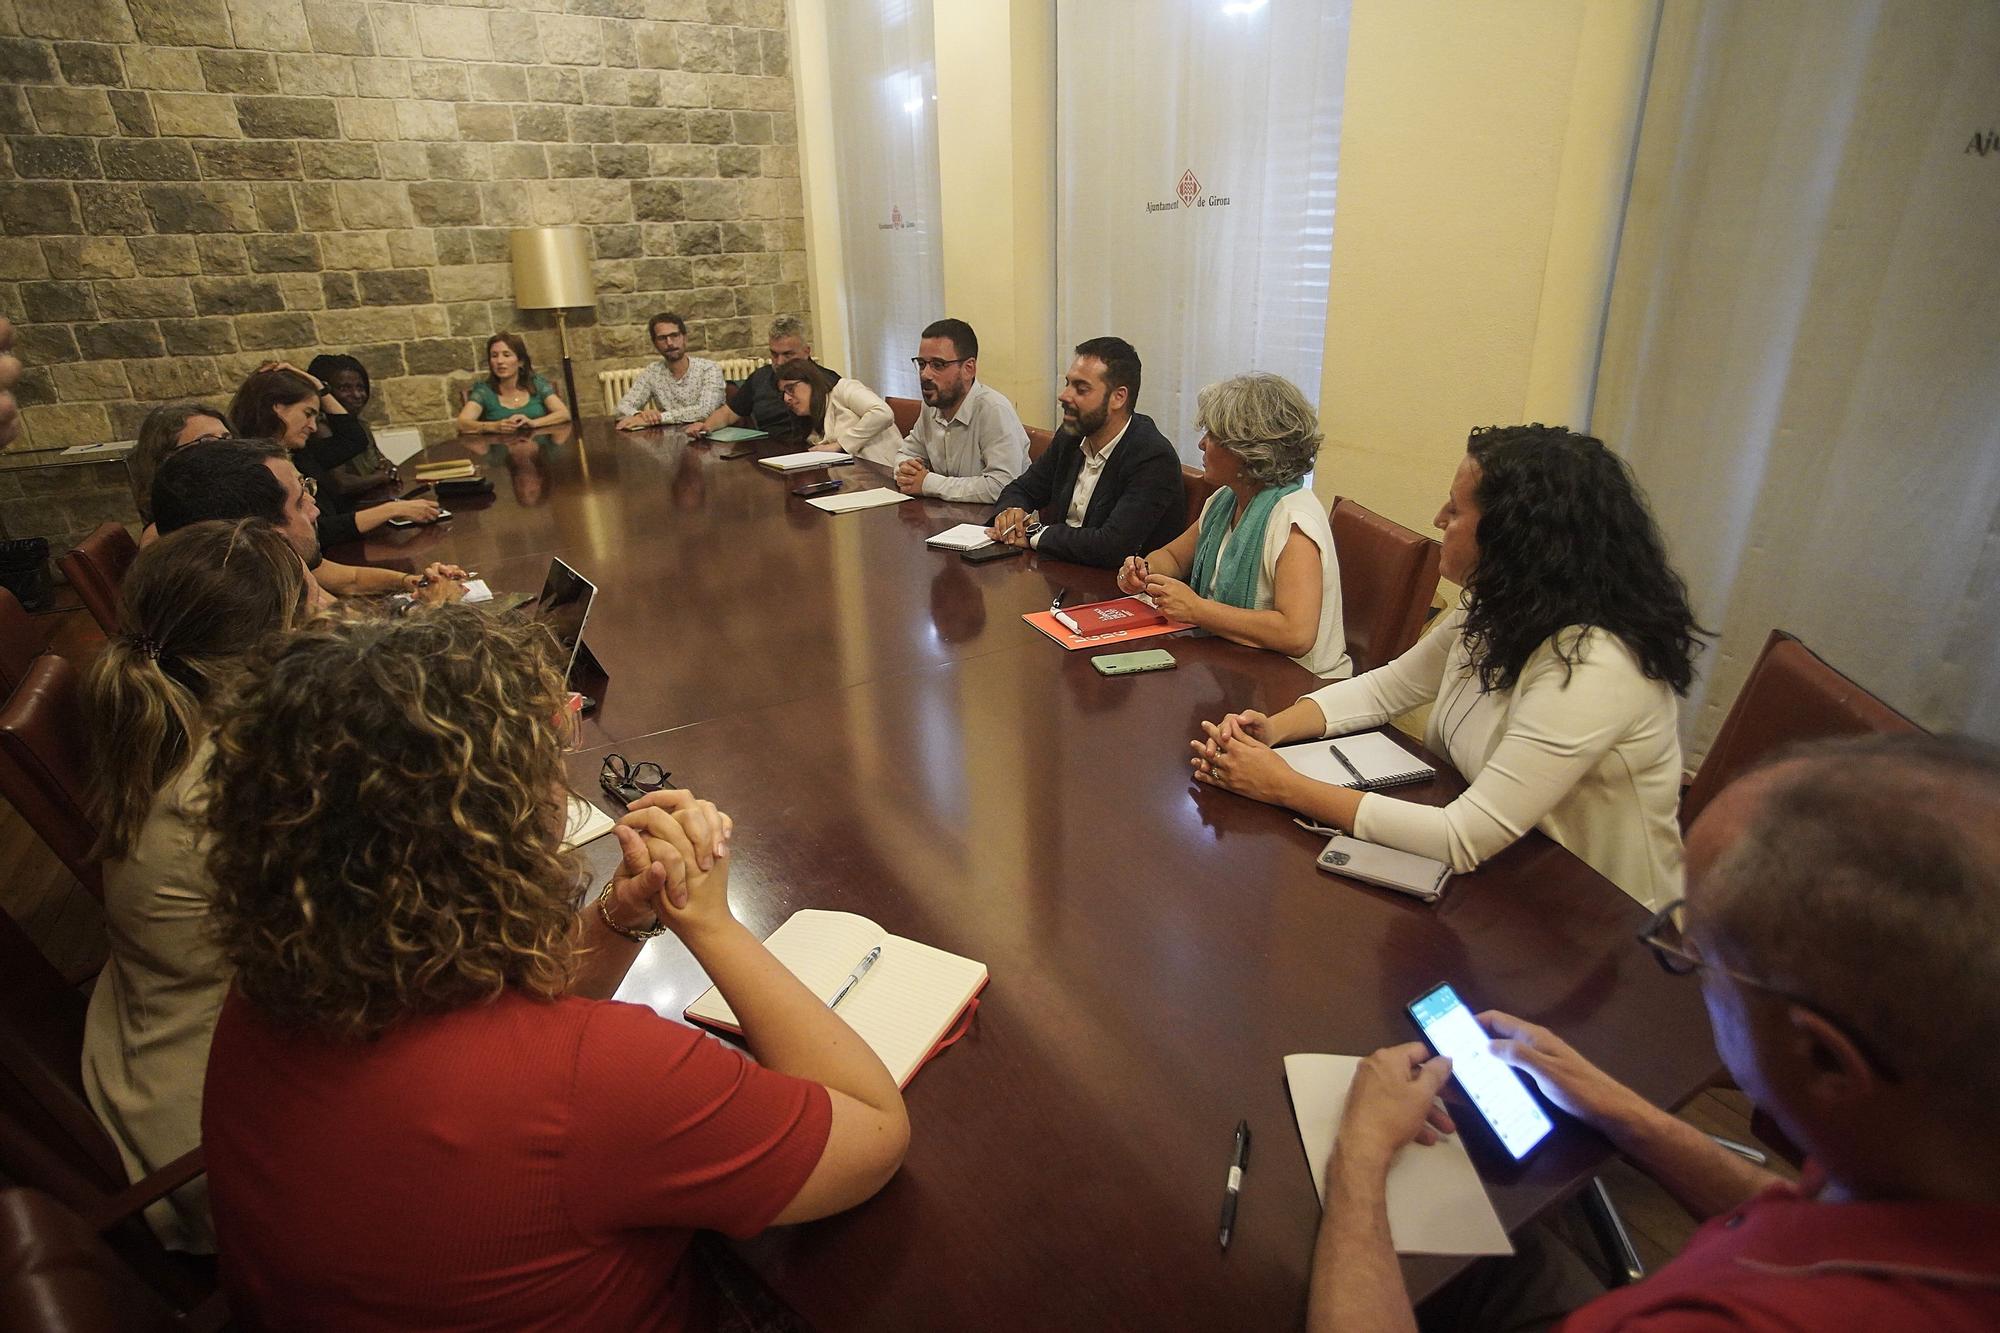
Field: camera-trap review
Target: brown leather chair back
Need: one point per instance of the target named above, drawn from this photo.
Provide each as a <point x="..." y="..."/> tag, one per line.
<point x="906" y="410"/>
<point x="44" y="763"/>
<point x="1039" y="441"/>
<point x="57" y="1274"/>
<point x="1388" y="576"/>
<point x="21" y="641"/>
<point x="1199" y="488"/>
<point x="96" y="569"/>
<point x="1791" y="695"/>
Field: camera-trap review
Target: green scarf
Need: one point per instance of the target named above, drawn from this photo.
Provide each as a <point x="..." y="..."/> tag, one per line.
<point x="1235" y="583"/>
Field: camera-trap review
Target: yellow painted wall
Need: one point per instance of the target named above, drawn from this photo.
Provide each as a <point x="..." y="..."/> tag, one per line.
<point x="826" y="272"/>
<point x="1483" y="160"/>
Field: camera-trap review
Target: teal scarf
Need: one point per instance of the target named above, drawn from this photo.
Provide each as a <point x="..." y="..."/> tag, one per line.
<point x="1235" y="583"/>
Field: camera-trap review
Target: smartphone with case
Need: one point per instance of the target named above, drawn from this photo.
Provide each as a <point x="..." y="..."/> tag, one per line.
<point x="827" y="487"/>
<point x="1131" y="664"/>
<point x="979" y="555"/>
<point x="443" y="514"/>
<point x="1384" y="867"/>
<point x="1494" y="1087"/>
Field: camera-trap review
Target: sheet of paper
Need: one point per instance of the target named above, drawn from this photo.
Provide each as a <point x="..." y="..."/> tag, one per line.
<point x="477" y="591"/>
<point x="821" y="948"/>
<point x="849" y="501"/>
<point x="1380" y="759"/>
<point x="108" y="447"/>
<point x="400" y="445"/>
<point x="584" y="823"/>
<point x="1436" y="1203"/>
<point x="964" y="537"/>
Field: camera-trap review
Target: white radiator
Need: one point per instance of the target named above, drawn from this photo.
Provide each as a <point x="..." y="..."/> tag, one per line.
<point x="617" y="383"/>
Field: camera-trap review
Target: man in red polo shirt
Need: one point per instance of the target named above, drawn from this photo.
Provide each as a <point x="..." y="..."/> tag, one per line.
<point x="1843" y="915"/>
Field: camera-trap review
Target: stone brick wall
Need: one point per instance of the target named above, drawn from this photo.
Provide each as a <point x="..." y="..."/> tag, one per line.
<point x="190" y="186"/>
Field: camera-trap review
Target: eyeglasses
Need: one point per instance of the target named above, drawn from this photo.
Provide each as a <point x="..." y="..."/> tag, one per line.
<point x="625" y="782"/>
<point x="310" y="485"/>
<point x="936" y="364"/>
<point x="1675" y="951"/>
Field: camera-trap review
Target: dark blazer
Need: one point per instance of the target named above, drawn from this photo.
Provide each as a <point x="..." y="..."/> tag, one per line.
<point x="1139" y="505"/>
<point x="317" y="459"/>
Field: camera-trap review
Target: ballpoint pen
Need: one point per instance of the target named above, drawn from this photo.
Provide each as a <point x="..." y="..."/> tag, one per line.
<point x="1056" y="603"/>
<point x="854" y="976"/>
<point x="1348" y="764"/>
<point x="1239" y="1159"/>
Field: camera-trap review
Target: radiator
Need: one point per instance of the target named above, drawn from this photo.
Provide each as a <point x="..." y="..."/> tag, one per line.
<point x="617" y="383"/>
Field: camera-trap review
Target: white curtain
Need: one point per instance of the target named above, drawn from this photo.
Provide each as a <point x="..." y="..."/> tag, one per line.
<point x="1196" y="151"/>
<point x="1802" y="359"/>
<point x="884" y="89"/>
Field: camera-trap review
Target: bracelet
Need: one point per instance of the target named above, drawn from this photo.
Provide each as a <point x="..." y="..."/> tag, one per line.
<point x="636" y="936"/>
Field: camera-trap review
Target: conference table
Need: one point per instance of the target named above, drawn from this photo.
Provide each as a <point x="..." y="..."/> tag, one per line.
<point x="893" y="740"/>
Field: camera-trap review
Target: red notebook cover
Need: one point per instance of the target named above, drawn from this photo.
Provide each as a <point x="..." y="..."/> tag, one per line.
<point x="1046" y="623"/>
<point x="1120" y="613"/>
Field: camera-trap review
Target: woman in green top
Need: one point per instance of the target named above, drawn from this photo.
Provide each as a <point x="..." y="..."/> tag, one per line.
<point x="512" y="397"/>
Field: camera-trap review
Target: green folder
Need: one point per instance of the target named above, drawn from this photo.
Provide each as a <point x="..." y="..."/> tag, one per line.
<point x="731" y="434"/>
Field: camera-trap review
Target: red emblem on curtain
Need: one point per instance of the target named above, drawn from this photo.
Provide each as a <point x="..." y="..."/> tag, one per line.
<point x="1190" y="188"/>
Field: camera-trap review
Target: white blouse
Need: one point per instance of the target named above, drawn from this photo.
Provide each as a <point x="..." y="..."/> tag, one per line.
<point x="1327" y="658"/>
<point x="858" y="421"/>
<point x="1591" y="756"/>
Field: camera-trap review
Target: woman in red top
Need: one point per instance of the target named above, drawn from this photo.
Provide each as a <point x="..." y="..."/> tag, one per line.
<point x="421" y="1108"/>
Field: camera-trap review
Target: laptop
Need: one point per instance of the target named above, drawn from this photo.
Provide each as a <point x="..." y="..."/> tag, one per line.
<point x="562" y="608"/>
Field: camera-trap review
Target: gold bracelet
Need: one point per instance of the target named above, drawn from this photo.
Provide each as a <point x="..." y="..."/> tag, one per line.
<point x="636" y="936"/>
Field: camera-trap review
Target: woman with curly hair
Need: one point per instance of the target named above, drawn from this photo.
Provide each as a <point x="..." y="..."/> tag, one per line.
<point x="195" y="601"/>
<point x="422" y="1108"/>
<point x="1258" y="566"/>
<point x="1553" y="686"/>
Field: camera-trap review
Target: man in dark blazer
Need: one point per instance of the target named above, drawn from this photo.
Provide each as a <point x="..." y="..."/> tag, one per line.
<point x="1109" y="485"/>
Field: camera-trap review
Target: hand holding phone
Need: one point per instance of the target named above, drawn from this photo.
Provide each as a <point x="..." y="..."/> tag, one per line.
<point x="1495" y="1090"/>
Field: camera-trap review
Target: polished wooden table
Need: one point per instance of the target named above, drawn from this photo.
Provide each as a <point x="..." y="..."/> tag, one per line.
<point x="892" y="740"/>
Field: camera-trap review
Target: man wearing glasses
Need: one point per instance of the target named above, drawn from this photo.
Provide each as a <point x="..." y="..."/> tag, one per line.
<point x="758" y="401"/>
<point x="679" y="387"/>
<point x="1843" y="921"/>
<point x="968" y="442"/>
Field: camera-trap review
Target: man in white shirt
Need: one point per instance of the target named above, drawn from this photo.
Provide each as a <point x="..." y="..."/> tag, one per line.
<point x="1109" y="485"/>
<point x="968" y="442"/>
<point x="684" y="388"/>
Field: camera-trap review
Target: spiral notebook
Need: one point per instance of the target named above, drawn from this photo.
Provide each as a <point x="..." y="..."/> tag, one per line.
<point x="1367" y="762"/>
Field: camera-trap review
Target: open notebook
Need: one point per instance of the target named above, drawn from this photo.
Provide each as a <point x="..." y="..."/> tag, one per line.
<point x="902" y="1008"/>
<point x="1367" y="762"/>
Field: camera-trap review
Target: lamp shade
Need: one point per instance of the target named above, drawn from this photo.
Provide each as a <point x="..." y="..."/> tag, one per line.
<point x="552" y="268"/>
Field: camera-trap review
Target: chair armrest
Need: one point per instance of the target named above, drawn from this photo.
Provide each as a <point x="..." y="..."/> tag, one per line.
<point x="136" y="1197"/>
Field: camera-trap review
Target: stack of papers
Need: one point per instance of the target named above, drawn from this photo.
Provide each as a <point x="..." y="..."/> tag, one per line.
<point x="811" y="458"/>
<point x="850" y="501"/>
<point x="1436" y="1203"/>
<point x="964" y="537"/>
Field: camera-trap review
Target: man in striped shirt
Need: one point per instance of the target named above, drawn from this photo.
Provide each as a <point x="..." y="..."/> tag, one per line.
<point x="682" y="388"/>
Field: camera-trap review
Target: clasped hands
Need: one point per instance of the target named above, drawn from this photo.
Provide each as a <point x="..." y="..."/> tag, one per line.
<point x="440" y="582"/>
<point x="910" y="474"/>
<point x="1236" y="755"/>
<point x="674" y="862"/>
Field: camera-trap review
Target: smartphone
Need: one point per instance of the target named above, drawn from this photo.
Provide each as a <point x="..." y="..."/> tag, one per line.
<point x="737" y="451"/>
<point x="1131" y="664"/>
<point x="415" y="491"/>
<point x="443" y="514"/>
<point x="827" y="487"/>
<point x="1496" y="1089"/>
<point x="979" y="555"/>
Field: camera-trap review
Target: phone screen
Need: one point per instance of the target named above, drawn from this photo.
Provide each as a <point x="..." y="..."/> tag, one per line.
<point x="1493" y="1085"/>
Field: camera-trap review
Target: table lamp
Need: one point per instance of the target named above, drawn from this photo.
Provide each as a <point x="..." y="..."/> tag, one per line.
<point x="552" y="272"/>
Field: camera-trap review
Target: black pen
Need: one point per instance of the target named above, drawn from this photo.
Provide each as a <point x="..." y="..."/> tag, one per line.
<point x="1348" y="764"/>
<point x="1056" y="604"/>
<point x="1237" y="1161"/>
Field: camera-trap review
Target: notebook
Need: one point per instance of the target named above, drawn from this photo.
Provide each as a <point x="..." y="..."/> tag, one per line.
<point x="451" y="469"/>
<point x="1372" y="762"/>
<point x="584" y="823"/>
<point x="732" y="434"/>
<point x="1118" y="613"/>
<point x="902" y="1007"/>
<point x="1436" y="1203"/>
<point x="964" y="537"/>
<point x="849" y="501"/>
<point x="1046" y="622"/>
<point x="810" y="458"/>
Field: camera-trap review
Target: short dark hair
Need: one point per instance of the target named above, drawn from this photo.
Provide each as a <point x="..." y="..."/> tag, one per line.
<point x="665" y="317"/>
<point x="964" y="342"/>
<point x="254" y="410"/>
<point x="328" y="364"/>
<point x="224" y="479"/>
<point x="1121" y="366"/>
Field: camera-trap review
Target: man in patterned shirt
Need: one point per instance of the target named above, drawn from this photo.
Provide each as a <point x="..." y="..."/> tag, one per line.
<point x="682" y="387"/>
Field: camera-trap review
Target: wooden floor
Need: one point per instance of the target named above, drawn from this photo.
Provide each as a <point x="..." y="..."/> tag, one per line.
<point x="67" y="924"/>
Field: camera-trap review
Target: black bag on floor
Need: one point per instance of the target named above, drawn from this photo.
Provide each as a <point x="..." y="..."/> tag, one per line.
<point x="24" y="571"/>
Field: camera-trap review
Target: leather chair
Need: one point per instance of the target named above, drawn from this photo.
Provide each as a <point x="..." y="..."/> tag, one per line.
<point x="21" y="641"/>
<point x="96" y="569"/>
<point x="906" y="410"/>
<point x="44" y="757"/>
<point x="1039" y="441"/>
<point x="1790" y="695"/>
<point x="1388" y="575"/>
<point x="1199" y="488"/>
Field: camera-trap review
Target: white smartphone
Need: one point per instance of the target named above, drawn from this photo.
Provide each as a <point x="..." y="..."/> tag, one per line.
<point x="1496" y="1089"/>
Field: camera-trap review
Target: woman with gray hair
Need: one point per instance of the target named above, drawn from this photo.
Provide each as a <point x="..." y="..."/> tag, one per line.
<point x="1258" y="565"/>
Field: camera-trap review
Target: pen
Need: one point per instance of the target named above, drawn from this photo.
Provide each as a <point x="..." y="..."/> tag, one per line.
<point x="1239" y="1159"/>
<point x="1348" y="764"/>
<point x="854" y="976"/>
<point x="1056" y="604"/>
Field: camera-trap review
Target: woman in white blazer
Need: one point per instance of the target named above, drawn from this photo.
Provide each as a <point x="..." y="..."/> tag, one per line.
<point x="847" y="415"/>
<point x="1554" y="684"/>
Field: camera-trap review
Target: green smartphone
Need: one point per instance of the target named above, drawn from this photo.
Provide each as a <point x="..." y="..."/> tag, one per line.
<point x="1131" y="664"/>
